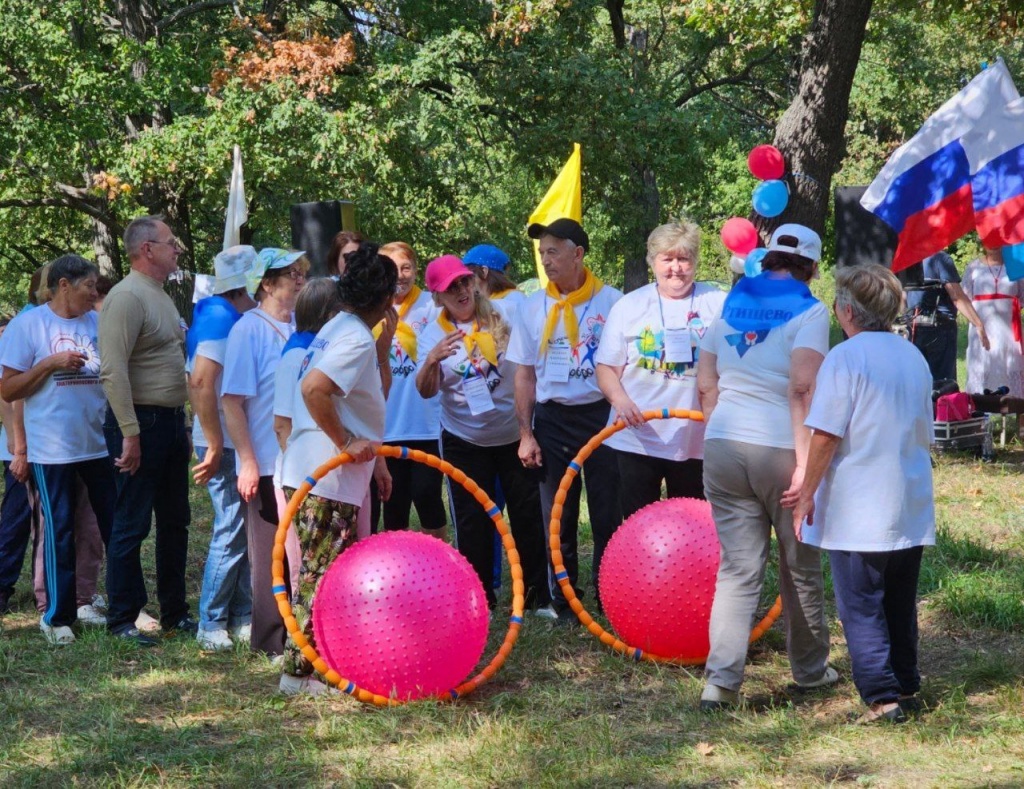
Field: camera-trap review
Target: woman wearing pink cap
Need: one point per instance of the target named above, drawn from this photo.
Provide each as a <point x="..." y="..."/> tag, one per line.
<point x="463" y="355"/>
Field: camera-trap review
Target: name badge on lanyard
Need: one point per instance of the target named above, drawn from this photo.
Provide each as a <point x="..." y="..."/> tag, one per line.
<point x="478" y="396"/>
<point x="678" y="349"/>
<point x="558" y="363"/>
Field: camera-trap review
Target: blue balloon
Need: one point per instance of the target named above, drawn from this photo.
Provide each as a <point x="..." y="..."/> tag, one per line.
<point x="770" y="198"/>
<point x="752" y="265"/>
<point x="1013" y="259"/>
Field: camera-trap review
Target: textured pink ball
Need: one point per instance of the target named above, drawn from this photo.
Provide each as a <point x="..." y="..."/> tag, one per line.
<point x="401" y="614"/>
<point x="658" y="578"/>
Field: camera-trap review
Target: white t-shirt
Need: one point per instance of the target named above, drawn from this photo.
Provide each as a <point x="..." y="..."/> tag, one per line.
<point x="509" y="301"/>
<point x="574" y="383"/>
<point x="286" y="381"/>
<point x="410" y="417"/>
<point x="874" y="392"/>
<point x="487" y="428"/>
<point x="5" y="452"/>
<point x="634" y="338"/>
<point x="251" y="358"/>
<point x="343" y="351"/>
<point x="753" y="377"/>
<point x="64" y="416"/>
<point x="214" y="350"/>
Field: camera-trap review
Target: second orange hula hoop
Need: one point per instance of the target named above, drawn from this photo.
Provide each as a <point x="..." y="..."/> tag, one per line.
<point x="284" y="605"/>
<point x="562" y="576"/>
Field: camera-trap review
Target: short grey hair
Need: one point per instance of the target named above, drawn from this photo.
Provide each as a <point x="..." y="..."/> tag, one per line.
<point x="73" y="268"/>
<point x="139" y="231"/>
<point x="683" y="236"/>
<point x="872" y="292"/>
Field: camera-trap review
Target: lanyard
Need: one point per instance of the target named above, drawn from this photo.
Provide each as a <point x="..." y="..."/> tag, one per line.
<point x="661" y="311"/>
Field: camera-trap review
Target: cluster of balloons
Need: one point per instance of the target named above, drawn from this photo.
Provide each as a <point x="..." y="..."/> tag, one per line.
<point x="769" y="199"/>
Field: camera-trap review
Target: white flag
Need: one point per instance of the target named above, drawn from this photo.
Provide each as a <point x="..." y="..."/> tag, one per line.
<point x="238" y="212"/>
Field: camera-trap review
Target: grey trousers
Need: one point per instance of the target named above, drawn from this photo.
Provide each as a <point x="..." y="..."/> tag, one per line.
<point x="744" y="483"/>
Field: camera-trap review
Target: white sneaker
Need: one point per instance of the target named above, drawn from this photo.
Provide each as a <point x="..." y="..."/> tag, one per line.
<point x="99" y="602"/>
<point x="214" y="640"/>
<point x="146" y="623"/>
<point x="90" y="615"/>
<point x="58" y="636"/>
<point x="242" y="634"/>
<point x="547" y="612"/>
<point x="295" y="686"/>
<point x="830" y="677"/>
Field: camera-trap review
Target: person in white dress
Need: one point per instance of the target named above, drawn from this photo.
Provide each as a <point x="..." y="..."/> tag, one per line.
<point x="997" y="300"/>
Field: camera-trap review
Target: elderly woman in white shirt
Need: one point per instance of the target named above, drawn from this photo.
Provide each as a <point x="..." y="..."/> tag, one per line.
<point x="874" y="510"/>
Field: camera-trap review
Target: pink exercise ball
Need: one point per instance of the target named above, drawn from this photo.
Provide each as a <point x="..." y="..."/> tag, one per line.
<point x="401" y="614"/>
<point x="658" y="578"/>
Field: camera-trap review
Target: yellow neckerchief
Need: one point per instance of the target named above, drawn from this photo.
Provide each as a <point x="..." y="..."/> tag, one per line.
<point x="404" y="332"/>
<point x="564" y="304"/>
<point x="481" y="339"/>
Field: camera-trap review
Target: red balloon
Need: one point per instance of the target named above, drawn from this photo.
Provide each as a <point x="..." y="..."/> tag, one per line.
<point x="766" y="162"/>
<point x="739" y="235"/>
<point x="658" y="578"/>
<point x="402" y="614"/>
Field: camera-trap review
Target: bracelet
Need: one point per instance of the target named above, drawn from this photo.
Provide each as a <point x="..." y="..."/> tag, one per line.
<point x="348" y="443"/>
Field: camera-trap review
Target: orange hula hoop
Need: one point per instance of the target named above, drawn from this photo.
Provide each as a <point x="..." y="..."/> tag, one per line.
<point x="284" y="605"/>
<point x="562" y="576"/>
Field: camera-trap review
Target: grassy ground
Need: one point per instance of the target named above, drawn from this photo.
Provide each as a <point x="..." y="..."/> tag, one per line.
<point x="563" y="711"/>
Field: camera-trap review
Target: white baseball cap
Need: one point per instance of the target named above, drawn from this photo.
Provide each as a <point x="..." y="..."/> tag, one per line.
<point x="232" y="267"/>
<point x="796" y="240"/>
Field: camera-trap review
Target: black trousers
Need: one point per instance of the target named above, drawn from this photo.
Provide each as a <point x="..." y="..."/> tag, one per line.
<point x="474" y="530"/>
<point x="642" y="476"/>
<point x="561" y="431"/>
<point x="411" y="483"/>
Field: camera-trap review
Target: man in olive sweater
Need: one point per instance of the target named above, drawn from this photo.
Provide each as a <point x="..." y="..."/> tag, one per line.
<point x="142" y="369"/>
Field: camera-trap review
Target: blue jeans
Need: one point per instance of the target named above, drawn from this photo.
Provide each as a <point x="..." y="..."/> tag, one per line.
<point x="15" y="529"/>
<point x="159" y="487"/>
<point x="226" y="598"/>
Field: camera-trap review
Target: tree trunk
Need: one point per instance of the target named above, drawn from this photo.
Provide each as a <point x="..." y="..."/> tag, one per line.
<point x="810" y="133"/>
<point x="107" y="250"/>
<point x="648" y="217"/>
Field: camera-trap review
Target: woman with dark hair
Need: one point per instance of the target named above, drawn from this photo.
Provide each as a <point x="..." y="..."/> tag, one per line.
<point x="338" y="406"/>
<point x="51" y="360"/>
<point x="755" y="376"/>
<point x="247" y="395"/>
<point x="342" y="245"/>
<point x="463" y="359"/>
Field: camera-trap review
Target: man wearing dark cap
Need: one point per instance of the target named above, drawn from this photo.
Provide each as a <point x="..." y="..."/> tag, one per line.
<point x="558" y="402"/>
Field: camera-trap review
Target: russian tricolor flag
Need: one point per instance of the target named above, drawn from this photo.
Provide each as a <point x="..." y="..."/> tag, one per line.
<point x="926" y="191"/>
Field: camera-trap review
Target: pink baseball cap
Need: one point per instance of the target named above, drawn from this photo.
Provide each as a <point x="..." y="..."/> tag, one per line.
<point x="443" y="271"/>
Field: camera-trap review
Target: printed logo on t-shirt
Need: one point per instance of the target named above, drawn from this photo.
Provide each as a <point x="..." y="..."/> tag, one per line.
<point x="403" y="350"/>
<point x="697" y="325"/>
<point x="583" y="354"/>
<point x="480" y="367"/>
<point x="744" y="341"/>
<point x="83" y="344"/>
<point x="650" y="344"/>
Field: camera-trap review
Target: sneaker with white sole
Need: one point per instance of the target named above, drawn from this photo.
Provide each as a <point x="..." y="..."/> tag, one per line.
<point x="146" y="623"/>
<point x="241" y="633"/>
<point x="215" y="640"/>
<point x="59" y="635"/>
<point x="99" y="602"/>
<point x="547" y="612"/>
<point x="715" y="698"/>
<point x="90" y="615"/>
<point x="829" y="677"/>
<point x="296" y="686"/>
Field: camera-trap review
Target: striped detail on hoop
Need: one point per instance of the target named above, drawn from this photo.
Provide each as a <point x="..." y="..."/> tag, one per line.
<point x="311" y="481"/>
<point x="350" y="689"/>
<point x="404" y="454"/>
<point x="562" y="575"/>
<point x="493" y="512"/>
<point x="638" y="654"/>
<point x="664" y="413"/>
<point x="279" y="589"/>
<point x="516" y="620"/>
<point x="453" y="693"/>
<point x="575" y="466"/>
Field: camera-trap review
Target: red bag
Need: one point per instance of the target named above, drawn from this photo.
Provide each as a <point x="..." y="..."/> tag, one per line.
<point x="954" y="407"/>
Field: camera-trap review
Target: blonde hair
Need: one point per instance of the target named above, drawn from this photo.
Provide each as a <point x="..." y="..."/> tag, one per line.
<point x="682" y="235"/>
<point x="402" y="248"/>
<point x="872" y="292"/>
<point x="486" y="317"/>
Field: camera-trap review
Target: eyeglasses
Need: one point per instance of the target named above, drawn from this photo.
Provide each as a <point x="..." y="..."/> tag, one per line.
<point x="174" y="243"/>
<point x="294" y="273"/>
<point x="461" y="284"/>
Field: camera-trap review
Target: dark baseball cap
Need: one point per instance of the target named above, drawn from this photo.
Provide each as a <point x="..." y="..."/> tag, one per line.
<point x="562" y="228"/>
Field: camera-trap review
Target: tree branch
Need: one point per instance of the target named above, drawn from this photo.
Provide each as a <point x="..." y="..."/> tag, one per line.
<point x="618" y="22"/>
<point x="740" y="78"/>
<point x="190" y="10"/>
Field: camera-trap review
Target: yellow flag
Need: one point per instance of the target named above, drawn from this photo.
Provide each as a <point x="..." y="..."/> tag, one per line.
<point x="564" y="199"/>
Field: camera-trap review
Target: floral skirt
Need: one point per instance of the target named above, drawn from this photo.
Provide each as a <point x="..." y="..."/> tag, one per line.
<point x="325" y="528"/>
